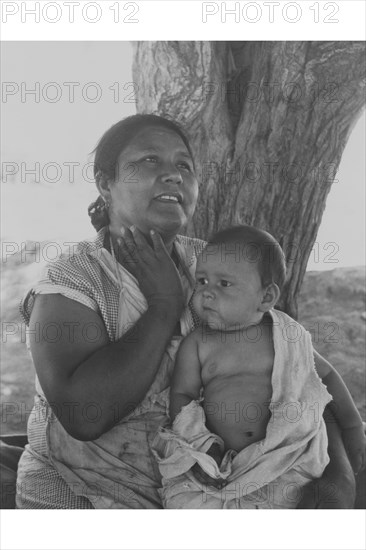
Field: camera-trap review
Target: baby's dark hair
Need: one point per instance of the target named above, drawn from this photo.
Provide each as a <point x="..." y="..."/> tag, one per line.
<point x="253" y="245"/>
<point x="111" y="145"/>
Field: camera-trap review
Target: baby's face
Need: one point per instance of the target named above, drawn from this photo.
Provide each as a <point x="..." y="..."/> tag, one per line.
<point x="228" y="291"/>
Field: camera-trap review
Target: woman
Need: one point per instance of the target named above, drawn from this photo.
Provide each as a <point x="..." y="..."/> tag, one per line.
<point x="105" y="324"/>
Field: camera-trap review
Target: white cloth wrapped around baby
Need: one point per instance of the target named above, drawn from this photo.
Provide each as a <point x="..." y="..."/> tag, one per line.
<point x="267" y="474"/>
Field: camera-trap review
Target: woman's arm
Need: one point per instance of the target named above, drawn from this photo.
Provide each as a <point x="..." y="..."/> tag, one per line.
<point x="89" y="382"/>
<point x="343" y="406"/>
<point x="345" y="412"/>
<point x="80" y="374"/>
<point x="336" y="488"/>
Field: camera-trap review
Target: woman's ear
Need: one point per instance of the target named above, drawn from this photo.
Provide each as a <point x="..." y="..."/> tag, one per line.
<point x="104" y="184"/>
<point x="270" y="297"/>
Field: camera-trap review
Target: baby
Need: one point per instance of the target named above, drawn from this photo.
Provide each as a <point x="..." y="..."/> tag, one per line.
<point x="232" y="364"/>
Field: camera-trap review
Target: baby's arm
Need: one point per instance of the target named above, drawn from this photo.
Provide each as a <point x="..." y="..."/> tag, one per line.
<point x="186" y="381"/>
<point x="345" y="412"/>
<point x="185" y="387"/>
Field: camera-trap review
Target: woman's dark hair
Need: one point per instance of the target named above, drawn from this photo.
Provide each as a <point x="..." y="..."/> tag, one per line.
<point x="111" y="145"/>
<point x="253" y="245"/>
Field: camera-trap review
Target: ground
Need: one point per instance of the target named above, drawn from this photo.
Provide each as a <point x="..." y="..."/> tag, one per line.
<point x="331" y="307"/>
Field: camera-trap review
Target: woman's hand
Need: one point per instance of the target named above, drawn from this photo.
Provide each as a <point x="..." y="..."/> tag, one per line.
<point x="328" y="493"/>
<point x="153" y="268"/>
<point x="337" y="487"/>
<point x="355" y="443"/>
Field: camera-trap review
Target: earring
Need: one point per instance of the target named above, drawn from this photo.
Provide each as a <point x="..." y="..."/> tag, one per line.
<point x="106" y="205"/>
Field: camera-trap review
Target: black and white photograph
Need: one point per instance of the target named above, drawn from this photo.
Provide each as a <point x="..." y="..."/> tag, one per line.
<point x="183" y="276"/>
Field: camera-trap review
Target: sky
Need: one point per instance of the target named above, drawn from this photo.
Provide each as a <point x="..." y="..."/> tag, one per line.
<point x="82" y="88"/>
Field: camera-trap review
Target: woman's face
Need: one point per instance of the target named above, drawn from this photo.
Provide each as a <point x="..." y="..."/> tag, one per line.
<point x="155" y="185"/>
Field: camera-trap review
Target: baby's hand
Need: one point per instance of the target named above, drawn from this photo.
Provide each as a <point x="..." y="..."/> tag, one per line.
<point x="355" y="443"/>
<point x="205" y="479"/>
<point x="215" y="452"/>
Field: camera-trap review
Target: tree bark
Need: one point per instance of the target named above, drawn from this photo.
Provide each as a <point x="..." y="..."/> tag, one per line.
<point x="268" y="123"/>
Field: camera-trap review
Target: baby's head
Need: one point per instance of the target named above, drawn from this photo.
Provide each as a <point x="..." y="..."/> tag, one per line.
<point x="239" y="277"/>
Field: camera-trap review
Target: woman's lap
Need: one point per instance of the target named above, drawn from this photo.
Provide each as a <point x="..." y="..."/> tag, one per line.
<point x="40" y="486"/>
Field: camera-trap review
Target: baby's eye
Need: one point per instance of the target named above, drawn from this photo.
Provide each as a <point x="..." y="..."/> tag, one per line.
<point x="201" y="281"/>
<point x="225" y="283"/>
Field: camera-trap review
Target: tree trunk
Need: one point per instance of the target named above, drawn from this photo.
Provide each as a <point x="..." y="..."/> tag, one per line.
<point x="268" y="122"/>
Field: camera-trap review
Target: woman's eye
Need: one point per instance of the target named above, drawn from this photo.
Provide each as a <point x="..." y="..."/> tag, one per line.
<point x="153" y="160"/>
<point x="225" y="283"/>
<point x="185" y="166"/>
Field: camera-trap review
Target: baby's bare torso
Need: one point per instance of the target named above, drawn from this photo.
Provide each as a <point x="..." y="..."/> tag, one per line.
<point x="236" y="375"/>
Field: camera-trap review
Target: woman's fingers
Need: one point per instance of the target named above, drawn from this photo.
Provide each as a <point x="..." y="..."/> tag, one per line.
<point x="139" y="239"/>
<point x="135" y="249"/>
<point x="127" y="248"/>
<point x="128" y="237"/>
<point x="158" y="243"/>
<point x="153" y="268"/>
<point x="136" y="240"/>
<point x="357" y="462"/>
<point x="125" y="257"/>
<point x="146" y="250"/>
